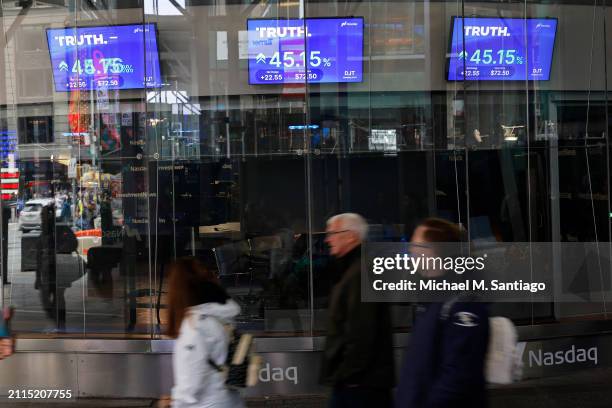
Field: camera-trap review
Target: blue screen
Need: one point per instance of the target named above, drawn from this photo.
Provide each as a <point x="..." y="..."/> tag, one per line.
<point x="509" y="49"/>
<point x="107" y="57"/>
<point x="332" y="51"/>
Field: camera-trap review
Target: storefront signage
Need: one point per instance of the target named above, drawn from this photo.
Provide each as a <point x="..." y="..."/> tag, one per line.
<point x="555" y="356"/>
<point x="298" y="372"/>
<point x="299" y="51"/>
<point x="569" y="356"/>
<point x="8" y="145"/>
<point x="501" y="49"/>
<point x="9" y="182"/>
<point x="78" y="138"/>
<point x="268" y="373"/>
<point x="106" y="57"/>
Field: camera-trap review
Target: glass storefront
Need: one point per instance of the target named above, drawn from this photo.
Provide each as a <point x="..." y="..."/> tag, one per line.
<point x="135" y="132"/>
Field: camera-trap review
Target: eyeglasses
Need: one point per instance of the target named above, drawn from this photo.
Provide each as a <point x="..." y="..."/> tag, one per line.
<point x="328" y="233"/>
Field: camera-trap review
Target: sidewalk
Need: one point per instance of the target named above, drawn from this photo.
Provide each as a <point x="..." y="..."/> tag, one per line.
<point x="584" y="389"/>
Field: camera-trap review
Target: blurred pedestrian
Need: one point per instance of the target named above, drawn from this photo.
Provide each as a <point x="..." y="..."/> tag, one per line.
<point x="20" y="205"/>
<point x="444" y="362"/>
<point x="358" y="356"/>
<point x="7" y="342"/>
<point x="199" y="311"/>
<point x="65" y="214"/>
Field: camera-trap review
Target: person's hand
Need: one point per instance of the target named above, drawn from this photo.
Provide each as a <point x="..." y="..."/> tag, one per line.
<point x="7" y="347"/>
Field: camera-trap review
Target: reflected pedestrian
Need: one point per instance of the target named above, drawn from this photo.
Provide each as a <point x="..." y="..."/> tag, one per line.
<point x="65" y="214"/>
<point x="358" y="357"/>
<point x="7" y="342"/>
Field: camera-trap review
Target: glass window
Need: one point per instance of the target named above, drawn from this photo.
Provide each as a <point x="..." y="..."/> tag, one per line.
<point x="134" y="133"/>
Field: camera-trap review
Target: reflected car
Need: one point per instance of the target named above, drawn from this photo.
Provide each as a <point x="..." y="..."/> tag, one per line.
<point x="29" y="218"/>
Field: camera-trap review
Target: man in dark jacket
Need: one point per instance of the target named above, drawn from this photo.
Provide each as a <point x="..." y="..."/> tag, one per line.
<point x="444" y="363"/>
<point x="358" y="356"/>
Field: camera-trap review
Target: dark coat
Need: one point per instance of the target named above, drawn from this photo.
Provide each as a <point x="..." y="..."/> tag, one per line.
<point x="358" y="347"/>
<point x="444" y="363"/>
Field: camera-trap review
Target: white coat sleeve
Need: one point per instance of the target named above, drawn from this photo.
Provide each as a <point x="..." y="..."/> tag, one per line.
<point x="193" y="372"/>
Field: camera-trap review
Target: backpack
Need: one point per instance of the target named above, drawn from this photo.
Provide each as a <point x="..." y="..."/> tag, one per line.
<point x="243" y="368"/>
<point x="503" y="363"/>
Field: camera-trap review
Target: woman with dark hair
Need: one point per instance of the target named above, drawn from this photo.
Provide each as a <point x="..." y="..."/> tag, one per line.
<point x="199" y="312"/>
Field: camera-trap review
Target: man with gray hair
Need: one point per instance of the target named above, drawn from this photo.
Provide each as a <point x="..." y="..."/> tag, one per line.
<point x="358" y="357"/>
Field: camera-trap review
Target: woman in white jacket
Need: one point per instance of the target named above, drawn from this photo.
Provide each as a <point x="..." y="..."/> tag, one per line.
<point x="199" y="310"/>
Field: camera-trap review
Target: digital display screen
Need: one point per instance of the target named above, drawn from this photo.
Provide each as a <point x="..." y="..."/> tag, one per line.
<point x="106" y="57"/>
<point x="510" y="49"/>
<point x="314" y="50"/>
